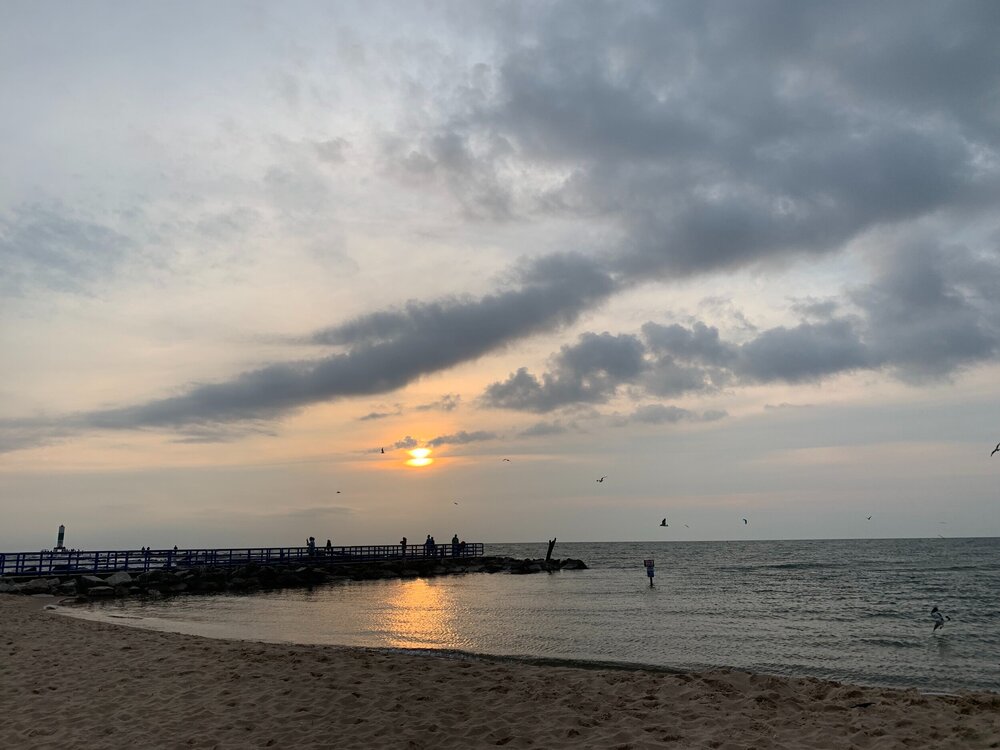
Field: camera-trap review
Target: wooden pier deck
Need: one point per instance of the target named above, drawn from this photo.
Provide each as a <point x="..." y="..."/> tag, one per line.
<point x="62" y="562"/>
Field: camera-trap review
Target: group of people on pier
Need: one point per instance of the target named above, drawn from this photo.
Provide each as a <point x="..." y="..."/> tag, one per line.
<point x="433" y="549"/>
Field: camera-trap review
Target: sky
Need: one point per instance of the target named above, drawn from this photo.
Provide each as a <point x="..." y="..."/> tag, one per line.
<point x="741" y="259"/>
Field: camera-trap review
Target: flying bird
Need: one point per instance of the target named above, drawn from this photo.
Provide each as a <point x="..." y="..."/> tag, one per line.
<point x="602" y="478"/>
<point x="745" y="522"/>
<point x="686" y="526"/>
<point x="995" y="450"/>
<point x="938" y="618"/>
<point x="382" y="449"/>
<point x="338" y="492"/>
<point x="869" y="518"/>
<point x="664" y="522"/>
<point x="455" y="503"/>
<point x="505" y="459"/>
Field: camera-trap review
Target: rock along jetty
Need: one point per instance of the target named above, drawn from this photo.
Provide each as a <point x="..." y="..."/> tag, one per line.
<point x="159" y="583"/>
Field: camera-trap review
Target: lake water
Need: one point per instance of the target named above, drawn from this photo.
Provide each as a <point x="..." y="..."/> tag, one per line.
<point x="848" y="610"/>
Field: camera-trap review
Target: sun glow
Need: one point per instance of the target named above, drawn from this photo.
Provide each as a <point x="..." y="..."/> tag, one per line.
<point x="421" y="457"/>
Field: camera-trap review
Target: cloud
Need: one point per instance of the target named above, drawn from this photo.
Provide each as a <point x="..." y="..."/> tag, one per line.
<point x="331" y="151"/>
<point x="542" y="429"/>
<point x="448" y="402"/>
<point x="461" y="438"/>
<point x="406" y="443"/>
<point x="714" y="137"/>
<point x="657" y="414"/>
<point x="42" y="247"/>
<point x="374" y="415"/>
<point x="588" y="372"/>
<point x="930" y="311"/>
<point x="386" y="351"/>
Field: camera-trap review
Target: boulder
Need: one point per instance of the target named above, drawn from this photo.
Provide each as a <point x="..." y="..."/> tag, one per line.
<point x="88" y="582"/>
<point x="120" y="578"/>
<point x="38" y="586"/>
<point x="100" y="591"/>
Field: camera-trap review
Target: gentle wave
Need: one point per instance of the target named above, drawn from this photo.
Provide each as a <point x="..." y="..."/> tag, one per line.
<point x="848" y="611"/>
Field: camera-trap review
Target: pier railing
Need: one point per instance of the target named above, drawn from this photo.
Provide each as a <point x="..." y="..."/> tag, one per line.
<point x="62" y="562"/>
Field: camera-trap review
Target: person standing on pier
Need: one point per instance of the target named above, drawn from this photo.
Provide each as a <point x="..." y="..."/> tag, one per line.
<point x="454" y="546"/>
<point x="402" y="543"/>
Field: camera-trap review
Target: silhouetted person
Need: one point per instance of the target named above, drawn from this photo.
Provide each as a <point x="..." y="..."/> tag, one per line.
<point x="402" y="543"/>
<point x="938" y="618"/>
<point x="454" y="546"/>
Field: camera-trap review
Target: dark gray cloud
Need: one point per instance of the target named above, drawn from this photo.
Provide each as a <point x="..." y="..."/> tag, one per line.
<point x="406" y="443"/>
<point x="587" y="372"/>
<point x="386" y="350"/>
<point x="933" y="310"/>
<point x="714" y="137"/>
<point x="461" y="438"/>
<point x="929" y="312"/>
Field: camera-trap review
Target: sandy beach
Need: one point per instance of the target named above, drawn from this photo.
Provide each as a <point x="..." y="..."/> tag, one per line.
<point x="71" y="683"/>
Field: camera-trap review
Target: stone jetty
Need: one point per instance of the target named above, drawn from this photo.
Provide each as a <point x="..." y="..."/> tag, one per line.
<point x="253" y="577"/>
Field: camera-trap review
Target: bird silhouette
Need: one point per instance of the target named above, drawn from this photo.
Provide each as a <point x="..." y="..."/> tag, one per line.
<point x="382" y="449"/>
<point x="995" y="450"/>
<point x="602" y="478"/>
<point x="338" y="492"/>
<point x="505" y="459"/>
<point x="746" y="522"/>
<point x="664" y="522"/>
<point x="686" y="526"/>
<point x="869" y="518"/>
<point x="455" y="503"/>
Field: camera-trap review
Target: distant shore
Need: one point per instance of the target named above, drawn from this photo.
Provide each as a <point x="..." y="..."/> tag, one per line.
<point x="72" y="683"/>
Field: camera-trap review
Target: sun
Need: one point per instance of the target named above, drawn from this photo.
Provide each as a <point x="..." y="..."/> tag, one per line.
<point x="421" y="457"/>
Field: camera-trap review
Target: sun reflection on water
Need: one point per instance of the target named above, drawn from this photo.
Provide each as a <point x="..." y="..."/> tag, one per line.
<point x="419" y="615"/>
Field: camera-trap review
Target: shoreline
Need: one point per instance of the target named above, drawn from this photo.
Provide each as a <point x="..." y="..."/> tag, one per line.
<point x="76" y="609"/>
<point x="72" y="682"/>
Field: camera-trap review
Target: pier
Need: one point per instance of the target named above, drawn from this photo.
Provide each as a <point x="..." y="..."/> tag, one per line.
<point x="64" y="561"/>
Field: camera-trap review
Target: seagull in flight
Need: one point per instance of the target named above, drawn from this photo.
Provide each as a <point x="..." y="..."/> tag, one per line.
<point x="602" y="478"/>
<point x="664" y="522"/>
<point x="995" y="450"/>
<point x="746" y="522"/>
<point x="869" y="518"/>
<point x="938" y="618"/>
<point x="505" y="459"/>
<point x="382" y="449"/>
